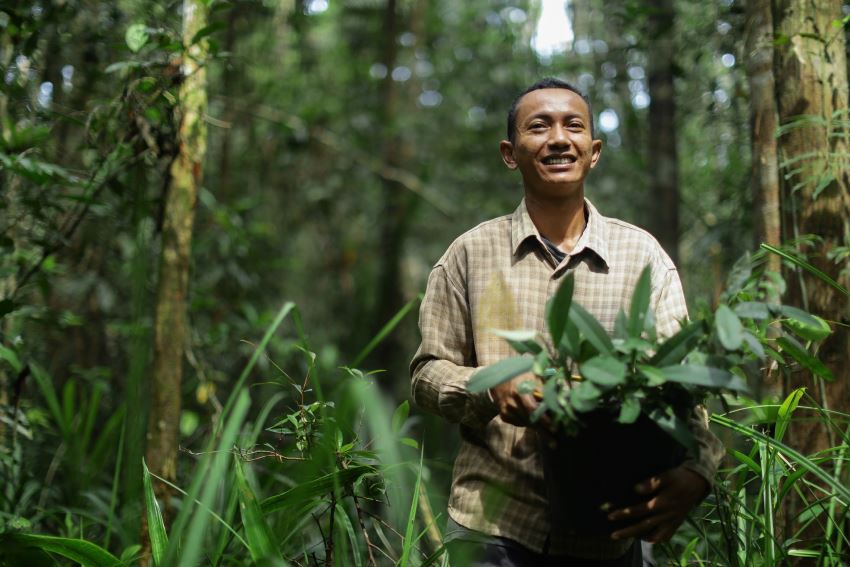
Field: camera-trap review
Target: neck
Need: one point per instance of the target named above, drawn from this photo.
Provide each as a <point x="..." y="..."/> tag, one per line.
<point x="560" y="220"/>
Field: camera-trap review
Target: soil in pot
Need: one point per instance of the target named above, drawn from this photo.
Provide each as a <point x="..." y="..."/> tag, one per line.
<point x="602" y="464"/>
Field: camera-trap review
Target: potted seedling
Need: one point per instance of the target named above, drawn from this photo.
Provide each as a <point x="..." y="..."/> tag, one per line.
<point x="619" y="404"/>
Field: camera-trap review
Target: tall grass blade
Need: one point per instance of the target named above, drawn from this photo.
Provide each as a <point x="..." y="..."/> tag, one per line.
<point x="315" y="488"/>
<point x="260" y="537"/>
<point x="839" y="488"/>
<point x="83" y="552"/>
<point x="768" y="494"/>
<point x="407" y="544"/>
<point x="808" y="267"/>
<point x="156" y="526"/>
<point x="348" y="527"/>
<point x="385" y="330"/>
<point x="255" y="356"/>
<point x="208" y="479"/>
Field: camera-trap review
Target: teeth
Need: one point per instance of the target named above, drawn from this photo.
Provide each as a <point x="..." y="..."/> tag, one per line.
<point x="557" y="161"/>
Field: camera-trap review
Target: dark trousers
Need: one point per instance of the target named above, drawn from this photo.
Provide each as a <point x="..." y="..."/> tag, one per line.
<point x="476" y="554"/>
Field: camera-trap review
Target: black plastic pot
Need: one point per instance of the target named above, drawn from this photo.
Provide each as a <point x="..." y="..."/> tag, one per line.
<point x="602" y="464"/>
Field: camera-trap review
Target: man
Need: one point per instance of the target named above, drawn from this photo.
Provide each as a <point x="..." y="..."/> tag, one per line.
<point x="500" y="275"/>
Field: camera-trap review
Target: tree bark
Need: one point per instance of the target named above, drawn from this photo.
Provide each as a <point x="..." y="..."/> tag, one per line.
<point x="811" y="80"/>
<point x="389" y="297"/>
<point x="171" y="328"/>
<point x="765" y="169"/>
<point x="663" y="156"/>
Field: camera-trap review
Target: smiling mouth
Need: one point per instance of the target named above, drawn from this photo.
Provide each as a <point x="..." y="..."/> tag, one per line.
<point x="559" y="160"/>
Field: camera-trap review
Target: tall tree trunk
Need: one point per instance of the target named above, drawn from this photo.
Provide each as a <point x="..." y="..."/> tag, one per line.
<point x="811" y="80"/>
<point x="170" y="328"/>
<point x="663" y="158"/>
<point x="395" y="201"/>
<point x="765" y="168"/>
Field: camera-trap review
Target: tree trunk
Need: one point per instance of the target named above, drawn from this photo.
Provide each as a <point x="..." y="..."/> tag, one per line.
<point x="395" y="203"/>
<point x="663" y="158"/>
<point x="765" y="169"/>
<point x="811" y="80"/>
<point x="170" y="328"/>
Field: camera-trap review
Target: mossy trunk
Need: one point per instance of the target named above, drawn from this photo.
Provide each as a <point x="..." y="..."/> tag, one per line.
<point x="171" y="330"/>
<point x="765" y="169"/>
<point x="812" y="97"/>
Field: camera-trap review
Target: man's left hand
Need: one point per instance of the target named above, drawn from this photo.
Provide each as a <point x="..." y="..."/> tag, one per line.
<point x="672" y="495"/>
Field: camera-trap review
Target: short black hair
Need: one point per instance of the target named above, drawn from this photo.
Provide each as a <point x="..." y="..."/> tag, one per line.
<point x="546" y="83"/>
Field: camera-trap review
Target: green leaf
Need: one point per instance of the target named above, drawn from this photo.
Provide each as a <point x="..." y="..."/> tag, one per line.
<point x="796" y="351"/>
<point x="156" y="526"/>
<point x="85" y="553"/>
<point x="558" y="309"/>
<point x="408" y="541"/>
<point x="754" y="343"/>
<point x="813" y="329"/>
<point x="591" y="329"/>
<point x="261" y="540"/>
<point x="677" y="347"/>
<point x="502" y="371"/>
<point x="206" y="31"/>
<point x="783" y="416"/>
<point x="400" y="416"/>
<point x="621" y="326"/>
<point x="795" y="314"/>
<point x="752" y="310"/>
<point x="629" y="411"/>
<point x="675" y="428"/>
<point x="746" y="459"/>
<point x="315" y="488"/>
<point x="808" y="267"/>
<point x="729" y="328"/>
<point x="640" y="303"/>
<point x="704" y="376"/>
<point x="585" y="396"/>
<point x="837" y="485"/>
<point x="604" y="370"/>
<point x="521" y="341"/>
<point x="136" y="37"/>
<point x="654" y="375"/>
<point x="11" y="357"/>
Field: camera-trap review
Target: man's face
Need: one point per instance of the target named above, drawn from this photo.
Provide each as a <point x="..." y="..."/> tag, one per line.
<point x="553" y="147"/>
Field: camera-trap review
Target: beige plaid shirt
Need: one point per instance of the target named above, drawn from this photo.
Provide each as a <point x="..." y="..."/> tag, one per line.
<point x="499" y="275"/>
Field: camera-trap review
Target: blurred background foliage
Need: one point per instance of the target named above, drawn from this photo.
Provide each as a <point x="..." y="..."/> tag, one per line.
<point x="349" y="141"/>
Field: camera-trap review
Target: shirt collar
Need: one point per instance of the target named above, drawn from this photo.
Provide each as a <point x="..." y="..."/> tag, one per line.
<point x="593" y="237"/>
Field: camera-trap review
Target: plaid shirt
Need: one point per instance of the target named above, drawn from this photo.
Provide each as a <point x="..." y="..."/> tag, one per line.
<point x="499" y="275"/>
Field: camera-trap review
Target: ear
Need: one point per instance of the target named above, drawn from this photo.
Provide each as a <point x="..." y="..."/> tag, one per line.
<point x="596" y="151"/>
<point x="507" y="150"/>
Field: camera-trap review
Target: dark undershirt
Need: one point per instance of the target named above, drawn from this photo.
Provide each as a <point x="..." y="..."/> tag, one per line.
<point x="556" y="252"/>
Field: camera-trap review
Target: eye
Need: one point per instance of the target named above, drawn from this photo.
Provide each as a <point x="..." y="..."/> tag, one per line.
<point x="576" y="125"/>
<point x="537" y="126"/>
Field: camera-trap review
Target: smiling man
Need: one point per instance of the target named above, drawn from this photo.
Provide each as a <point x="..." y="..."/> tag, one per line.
<point x="500" y="274"/>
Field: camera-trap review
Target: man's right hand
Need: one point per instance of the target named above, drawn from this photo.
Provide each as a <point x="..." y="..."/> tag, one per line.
<point x="515" y="408"/>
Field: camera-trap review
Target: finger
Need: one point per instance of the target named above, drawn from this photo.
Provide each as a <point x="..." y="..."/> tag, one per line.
<point x="650" y="485"/>
<point x="635" y="511"/>
<point x="640" y="528"/>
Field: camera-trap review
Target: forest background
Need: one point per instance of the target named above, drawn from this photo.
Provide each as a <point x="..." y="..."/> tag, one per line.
<point x="179" y="178"/>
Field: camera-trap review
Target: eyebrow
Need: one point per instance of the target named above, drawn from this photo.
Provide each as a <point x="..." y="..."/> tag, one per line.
<point x="549" y="115"/>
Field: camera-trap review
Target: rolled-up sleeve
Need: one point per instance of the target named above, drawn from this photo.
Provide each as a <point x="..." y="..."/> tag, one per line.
<point x="445" y="359"/>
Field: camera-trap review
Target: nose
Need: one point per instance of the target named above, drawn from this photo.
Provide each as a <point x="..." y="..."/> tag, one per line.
<point x="558" y="136"/>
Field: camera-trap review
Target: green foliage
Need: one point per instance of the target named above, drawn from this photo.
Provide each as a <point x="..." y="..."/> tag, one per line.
<point x="633" y="373"/>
